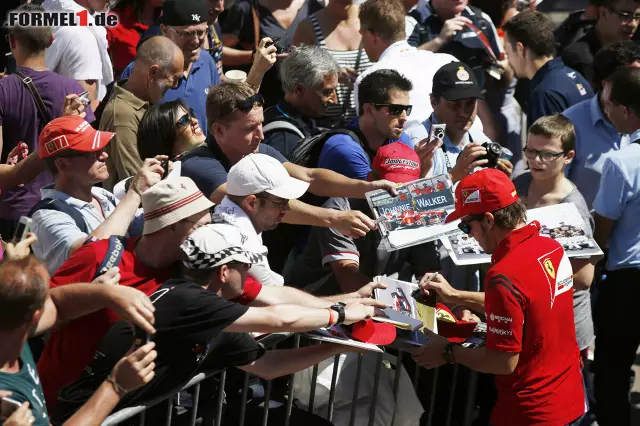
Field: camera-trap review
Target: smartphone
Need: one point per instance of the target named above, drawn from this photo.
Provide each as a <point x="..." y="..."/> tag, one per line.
<point x="23" y="228"/>
<point x="7" y="407"/>
<point x="141" y="337"/>
<point x="83" y="97"/>
<point x="165" y="166"/>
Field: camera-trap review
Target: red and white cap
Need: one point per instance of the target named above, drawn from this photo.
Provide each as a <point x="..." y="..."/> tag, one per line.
<point x="71" y="132"/>
<point x="397" y="162"/>
<point x="486" y="190"/>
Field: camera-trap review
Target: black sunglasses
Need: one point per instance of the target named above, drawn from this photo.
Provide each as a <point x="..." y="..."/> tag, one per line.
<point x="245" y="105"/>
<point x="186" y="119"/>
<point x="465" y="226"/>
<point x="396" y="109"/>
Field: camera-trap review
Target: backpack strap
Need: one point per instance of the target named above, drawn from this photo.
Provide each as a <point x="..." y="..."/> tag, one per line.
<point x="45" y="116"/>
<point x="61" y="206"/>
<point x="113" y="256"/>
<point x="282" y="125"/>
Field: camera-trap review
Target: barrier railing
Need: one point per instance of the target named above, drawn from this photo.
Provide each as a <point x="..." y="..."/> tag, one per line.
<point x="454" y="401"/>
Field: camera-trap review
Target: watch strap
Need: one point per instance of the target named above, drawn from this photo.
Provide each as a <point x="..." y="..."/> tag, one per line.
<point x="447" y="354"/>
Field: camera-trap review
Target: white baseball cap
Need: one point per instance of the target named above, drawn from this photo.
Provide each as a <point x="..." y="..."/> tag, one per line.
<point x="214" y="245"/>
<point x="258" y="173"/>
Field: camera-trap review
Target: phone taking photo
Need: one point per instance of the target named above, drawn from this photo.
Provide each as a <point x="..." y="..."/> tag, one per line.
<point x="83" y="97"/>
<point x="7" y="407"/>
<point x="23" y="228"/>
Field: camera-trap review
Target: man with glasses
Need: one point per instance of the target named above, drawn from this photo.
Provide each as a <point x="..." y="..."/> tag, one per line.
<point x="617" y="20"/>
<point x="454" y="99"/>
<point x="173" y="209"/>
<point x="157" y="69"/>
<point x="75" y="154"/>
<point x="531" y="338"/>
<point x="530" y="48"/>
<point x="383" y="100"/>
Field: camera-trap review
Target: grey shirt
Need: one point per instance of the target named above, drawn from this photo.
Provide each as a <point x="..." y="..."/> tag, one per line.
<point x="311" y="271"/>
<point x="581" y="298"/>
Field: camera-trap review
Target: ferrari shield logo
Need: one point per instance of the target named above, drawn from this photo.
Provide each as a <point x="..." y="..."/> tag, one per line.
<point x="548" y="266"/>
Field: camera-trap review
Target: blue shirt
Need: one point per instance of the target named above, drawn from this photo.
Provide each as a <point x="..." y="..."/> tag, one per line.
<point x="194" y="88"/>
<point x="554" y="88"/>
<point x="619" y="199"/>
<point x="595" y="137"/>
<point x="346" y="156"/>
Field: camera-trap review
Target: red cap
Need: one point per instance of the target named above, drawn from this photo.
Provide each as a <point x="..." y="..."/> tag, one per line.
<point x="70" y="133"/>
<point x="486" y="190"/>
<point x="373" y="332"/>
<point x="457" y="331"/>
<point x="397" y="162"/>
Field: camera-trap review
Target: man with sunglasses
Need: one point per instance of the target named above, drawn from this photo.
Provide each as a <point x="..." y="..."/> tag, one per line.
<point x="75" y="154"/>
<point x="383" y="100"/>
<point x="617" y="20"/>
<point x="235" y="117"/>
<point x="531" y="338"/>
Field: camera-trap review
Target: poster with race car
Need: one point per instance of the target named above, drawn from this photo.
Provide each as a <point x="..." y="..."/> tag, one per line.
<point x="398" y="295"/>
<point x="562" y="222"/>
<point x="416" y="214"/>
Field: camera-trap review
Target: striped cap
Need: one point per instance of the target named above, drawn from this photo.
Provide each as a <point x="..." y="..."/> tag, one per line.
<point x="170" y="201"/>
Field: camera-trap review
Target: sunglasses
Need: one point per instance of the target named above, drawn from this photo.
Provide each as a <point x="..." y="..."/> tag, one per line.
<point x="186" y="119"/>
<point x="245" y="105"/>
<point x="465" y="226"/>
<point x="396" y="109"/>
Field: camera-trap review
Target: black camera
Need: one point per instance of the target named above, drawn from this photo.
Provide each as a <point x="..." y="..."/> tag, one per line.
<point x="278" y="43"/>
<point x="494" y="152"/>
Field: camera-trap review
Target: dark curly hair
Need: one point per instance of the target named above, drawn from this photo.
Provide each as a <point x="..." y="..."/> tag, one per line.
<point x="610" y="58"/>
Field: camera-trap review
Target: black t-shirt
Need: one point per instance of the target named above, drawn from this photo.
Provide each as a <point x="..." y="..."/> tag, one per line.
<point x="207" y="165"/>
<point x="570" y="30"/>
<point x="579" y="54"/>
<point x="189" y="323"/>
<point x="285" y="140"/>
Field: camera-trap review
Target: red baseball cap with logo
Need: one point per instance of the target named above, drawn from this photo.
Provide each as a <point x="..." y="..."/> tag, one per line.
<point x="484" y="191"/>
<point x="71" y="132"/>
<point x="377" y="333"/>
<point x="397" y="162"/>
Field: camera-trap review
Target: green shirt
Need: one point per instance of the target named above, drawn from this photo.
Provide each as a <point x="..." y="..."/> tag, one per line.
<point x="25" y="386"/>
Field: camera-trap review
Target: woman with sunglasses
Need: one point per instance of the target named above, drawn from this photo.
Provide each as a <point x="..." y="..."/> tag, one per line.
<point x="549" y="149"/>
<point x="170" y="128"/>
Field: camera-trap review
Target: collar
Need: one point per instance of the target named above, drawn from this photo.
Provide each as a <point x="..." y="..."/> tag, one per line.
<point x="49" y="191"/>
<point x="596" y="111"/>
<point x="555" y="63"/>
<point x="217" y="153"/>
<point x="197" y="64"/>
<point x="514" y="238"/>
<point x="634" y="136"/>
<point x="293" y="113"/>
<point x="397" y="47"/>
<point x="128" y="97"/>
<point x="232" y="214"/>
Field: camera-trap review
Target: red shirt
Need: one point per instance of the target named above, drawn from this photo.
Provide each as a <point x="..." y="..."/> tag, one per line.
<point x="123" y="39"/>
<point x="529" y="310"/>
<point x="70" y="349"/>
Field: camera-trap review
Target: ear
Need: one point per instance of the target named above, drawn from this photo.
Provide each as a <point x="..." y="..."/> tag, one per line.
<point x="165" y="30"/>
<point x="223" y="274"/>
<point x="298" y="89"/>
<point x="217" y="129"/>
<point x="369" y="109"/>
<point x="568" y="158"/>
<point x="433" y="101"/>
<point x="251" y="203"/>
<point x="489" y="219"/>
<point x="153" y="70"/>
<point x="520" y="49"/>
<point x="13" y="44"/>
<point x="61" y="164"/>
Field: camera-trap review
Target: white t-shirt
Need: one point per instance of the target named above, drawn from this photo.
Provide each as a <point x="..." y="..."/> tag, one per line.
<point x="419" y="66"/>
<point x="79" y="53"/>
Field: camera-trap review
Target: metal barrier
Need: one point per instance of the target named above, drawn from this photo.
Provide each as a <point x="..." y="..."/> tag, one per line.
<point x="467" y="402"/>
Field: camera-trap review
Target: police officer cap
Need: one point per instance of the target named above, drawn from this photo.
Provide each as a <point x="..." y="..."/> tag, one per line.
<point x="455" y="81"/>
<point x="183" y="13"/>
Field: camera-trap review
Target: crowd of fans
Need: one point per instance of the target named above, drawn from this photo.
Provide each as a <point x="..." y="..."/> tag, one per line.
<point x="212" y="158"/>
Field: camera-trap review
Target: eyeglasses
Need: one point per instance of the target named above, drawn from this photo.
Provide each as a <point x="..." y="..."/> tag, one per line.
<point x="281" y="202"/>
<point x="465" y="226"/>
<point x="626" y="16"/>
<point x="545" y="156"/>
<point x="245" y="105"/>
<point x="186" y="119"/>
<point x="190" y="34"/>
<point x="396" y="109"/>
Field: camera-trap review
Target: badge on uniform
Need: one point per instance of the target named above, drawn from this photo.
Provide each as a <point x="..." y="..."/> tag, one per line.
<point x="581" y="89"/>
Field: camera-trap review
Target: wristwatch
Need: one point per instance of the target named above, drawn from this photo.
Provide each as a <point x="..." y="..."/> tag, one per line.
<point x="447" y="354"/>
<point x="339" y="308"/>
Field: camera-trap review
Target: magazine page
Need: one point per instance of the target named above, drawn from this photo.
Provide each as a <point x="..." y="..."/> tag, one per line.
<point x="416" y="215"/>
<point x="398" y="296"/>
<point x="562" y="222"/>
<point x="336" y="334"/>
